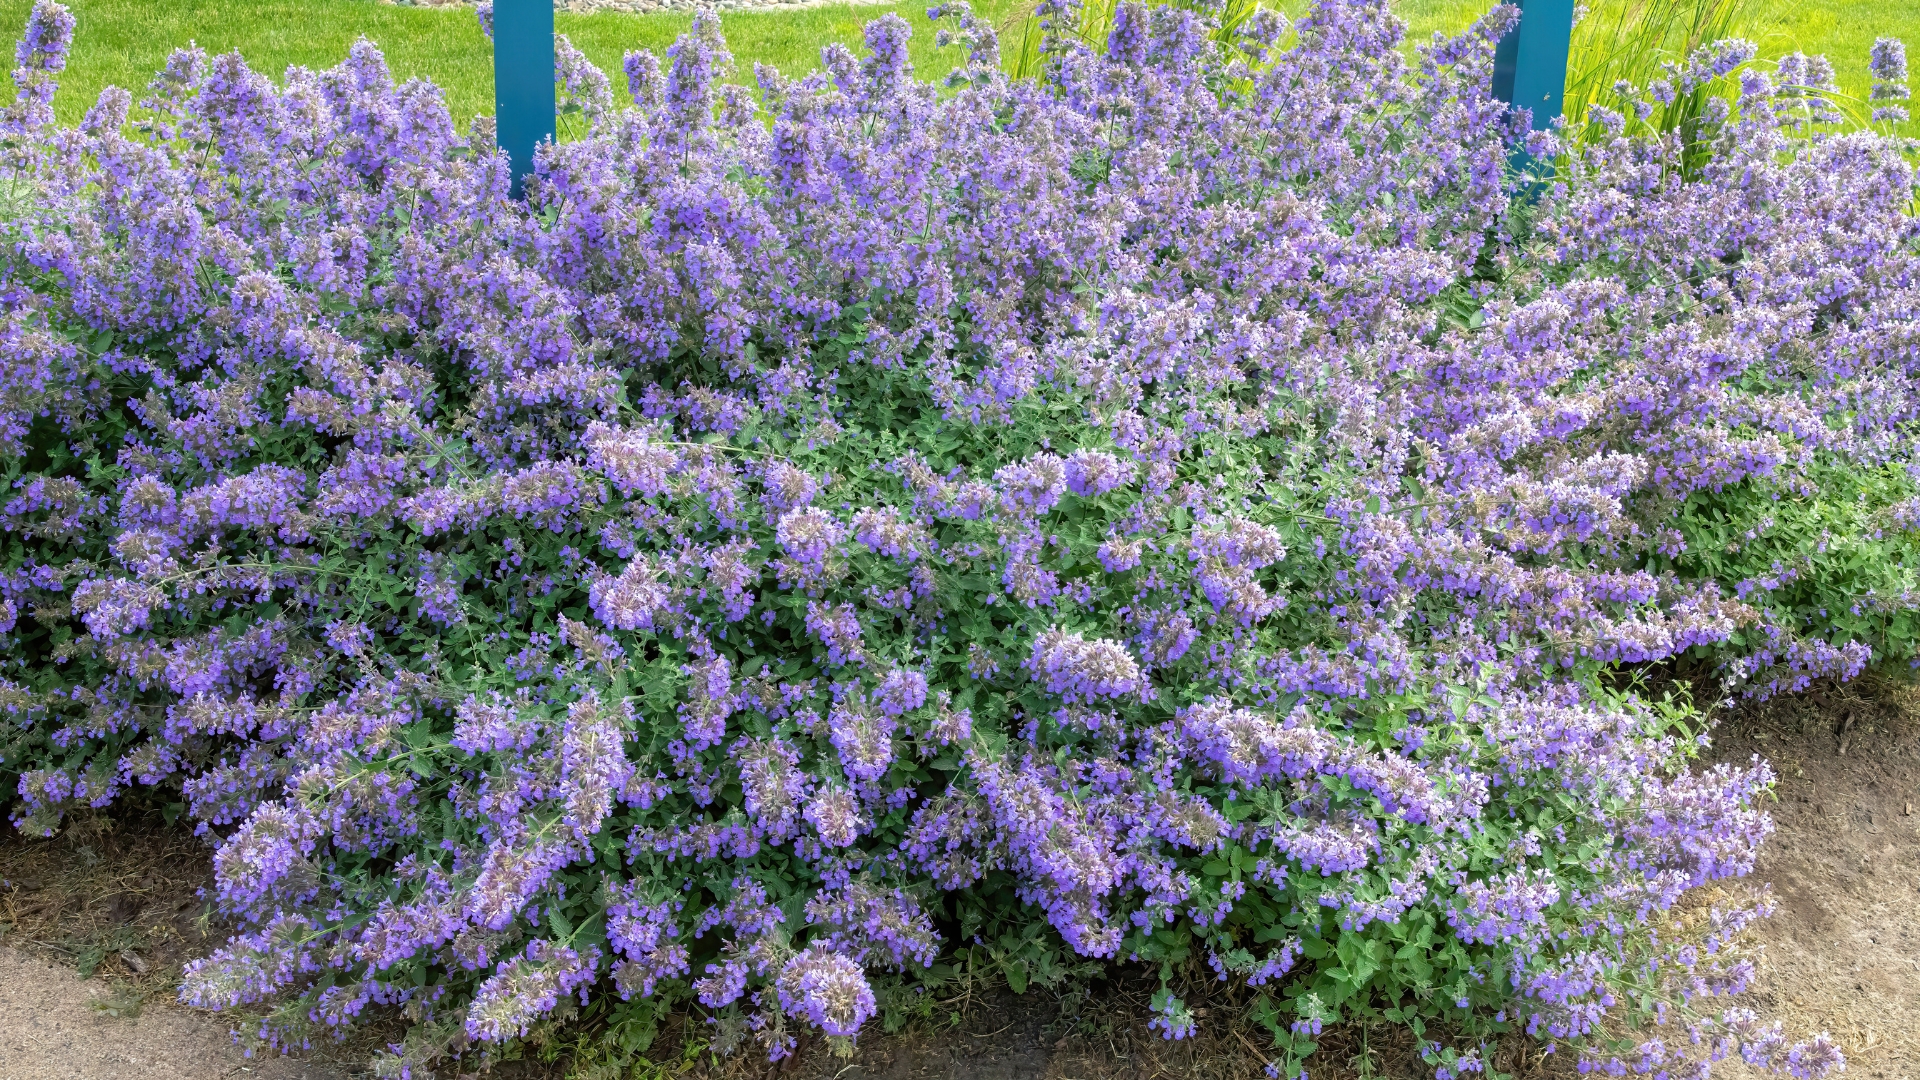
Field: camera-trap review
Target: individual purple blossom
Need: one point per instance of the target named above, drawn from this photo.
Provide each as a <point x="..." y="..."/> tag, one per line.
<point x="1245" y="745"/>
<point x="691" y="69"/>
<point x="808" y="536"/>
<point x="1764" y="1045"/>
<point x="731" y="574"/>
<point x="1032" y="486"/>
<point x="1505" y="907"/>
<point x="838" y="628"/>
<point x="835" y="816"/>
<point x="885" y="531"/>
<point x="880" y="928"/>
<point x="115" y="607"/>
<point x="438" y="588"/>
<point x="1096" y="472"/>
<point x="244" y="967"/>
<point x="864" y="741"/>
<point x="645" y="934"/>
<point x="580" y="84"/>
<point x="1171" y="1018"/>
<point x="1239" y="542"/>
<point x="38" y="59"/>
<point x="789" y="488"/>
<point x="510" y="876"/>
<point x="710" y="701"/>
<point x="749" y="911"/>
<point x="976" y="33"/>
<point x="492" y="725"/>
<point x="1127" y="41"/>
<point x="1085" y="671"/>
<point x="772" y="785"/>
<point x="900" y="692"/>
<point x="1166" y="636"/>
<point x="632" y="460"/>
<point x="1120" y="556"/>
<point x="1235" y="591"/>
<point x="949" y="725"/>
<point x="349" y="637"/>
<point x="526" y="988"/>
<point x="1887" y="60"/>
<point x="593" y="761"/>
<point x="549" y="494"/>
<point x="631" y="601"/>
<point x="828" y="990"/>
<point x="888" y="69"/>
<point x="724" y="984"/>
<point x="644" y="83"/>
<point x="264" y="853"/>
<point x="267" y="499"/>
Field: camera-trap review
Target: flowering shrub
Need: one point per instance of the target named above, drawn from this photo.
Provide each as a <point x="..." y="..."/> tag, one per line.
<point x="1181" y="511"/>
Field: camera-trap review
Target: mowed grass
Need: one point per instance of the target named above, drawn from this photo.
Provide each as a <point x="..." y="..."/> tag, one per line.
<point x="123" y="42"/>
<point x="1844" y="30"/>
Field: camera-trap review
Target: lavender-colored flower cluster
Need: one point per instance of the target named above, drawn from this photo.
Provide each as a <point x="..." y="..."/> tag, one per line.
<point x="1183" y="508"/>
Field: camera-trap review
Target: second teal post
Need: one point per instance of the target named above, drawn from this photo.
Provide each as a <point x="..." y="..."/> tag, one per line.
<point x="1530" y="63"/>
<point x="523" y="93"/>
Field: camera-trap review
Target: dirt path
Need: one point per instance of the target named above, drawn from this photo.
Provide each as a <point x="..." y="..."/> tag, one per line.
<point x="50" y="1029"/>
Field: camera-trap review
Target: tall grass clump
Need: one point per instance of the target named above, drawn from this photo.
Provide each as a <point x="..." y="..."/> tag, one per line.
<point x="1671" y="70"/>
<point x="1179" y="513"/>
<point x="1658" y="62"/>
<point x="1043" y="29"/>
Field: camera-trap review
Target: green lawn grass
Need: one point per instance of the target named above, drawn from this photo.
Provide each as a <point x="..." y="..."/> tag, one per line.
<point x="123" y="42"/>
<point x="1844" y="30"/>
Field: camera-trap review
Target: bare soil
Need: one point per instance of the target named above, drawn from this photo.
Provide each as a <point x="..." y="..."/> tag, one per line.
<point x="56" y="1026"/>
<point x="1842" y="953"/>
<point x="123" y="902"/>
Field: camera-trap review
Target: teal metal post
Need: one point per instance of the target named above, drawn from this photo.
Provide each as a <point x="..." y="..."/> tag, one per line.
<point x="523" y="81"/>
<point x="1530" y="63"/>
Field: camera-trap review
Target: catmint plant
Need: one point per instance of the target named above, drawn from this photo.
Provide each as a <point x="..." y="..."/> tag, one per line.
<point x="1183" y="513"/>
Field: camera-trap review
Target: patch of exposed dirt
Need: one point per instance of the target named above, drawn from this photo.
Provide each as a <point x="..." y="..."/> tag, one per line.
<point x="56" y="1026"/>
<point x="120" y="898"/>
<point x="1842" y="953"/>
